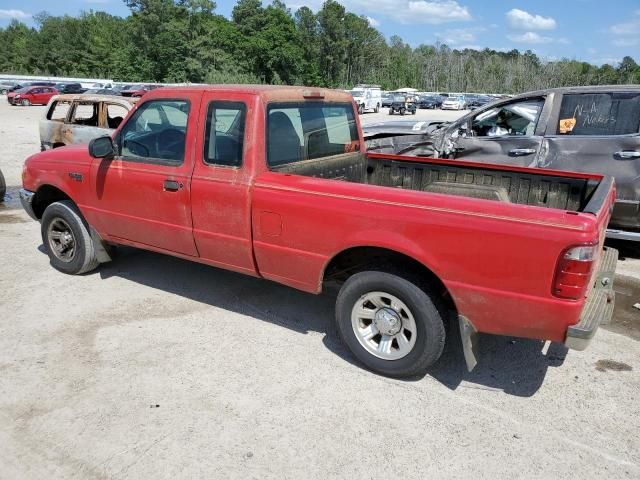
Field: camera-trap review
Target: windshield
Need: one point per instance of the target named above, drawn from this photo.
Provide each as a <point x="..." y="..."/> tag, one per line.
<point x="398" y="98"/>
<point x="357" y="93"/>
<point x="22" y="90"/>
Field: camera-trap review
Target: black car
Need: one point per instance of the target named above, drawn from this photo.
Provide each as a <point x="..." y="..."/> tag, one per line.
<point x="402" y="104"/>
<point x="429" y="101"/>
<point x="7" y="86"/>
<point x="582" y="129"/>
<point x="69" y="88"/>
<point x="475" y="101"/>
<point x="23" y="84"/>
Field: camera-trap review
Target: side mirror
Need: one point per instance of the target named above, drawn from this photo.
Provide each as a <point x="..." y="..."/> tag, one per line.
<point x="102" y="147"/>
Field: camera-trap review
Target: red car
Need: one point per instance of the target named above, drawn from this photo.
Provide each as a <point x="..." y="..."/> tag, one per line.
<point x="31" y="96"/>
<point x="138" y="90"/>
<point x="275" y="182"/>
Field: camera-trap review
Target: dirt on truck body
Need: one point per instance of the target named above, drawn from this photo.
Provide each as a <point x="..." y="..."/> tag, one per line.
<point x="77" y="119"/>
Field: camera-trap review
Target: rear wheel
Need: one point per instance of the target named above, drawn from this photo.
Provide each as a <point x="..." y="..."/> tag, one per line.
<point x="66" y="239"/>
<point x="391" y="326"/>
<point x="390" y="111"/>
<point x="377" y="110"/>
<point x="25" y="102"/>
<point x="360" y="109"/>
<point x="403" y="111"/>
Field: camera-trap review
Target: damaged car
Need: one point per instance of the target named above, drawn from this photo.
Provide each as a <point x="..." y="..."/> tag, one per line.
<point x="583" y="129"/>
<point x="77" y="119"/>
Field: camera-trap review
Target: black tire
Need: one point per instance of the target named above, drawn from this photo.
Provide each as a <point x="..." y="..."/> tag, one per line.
<point x="361" y="109"/>
<point x="3" y="187"/>
<point x="403" y="111"/>
<point x="84" y="260"/>
<point x="391" y="111"/>
<point x="25" y="102"/>
<point x="377" y="110"/>
<point x="430" y="336"/>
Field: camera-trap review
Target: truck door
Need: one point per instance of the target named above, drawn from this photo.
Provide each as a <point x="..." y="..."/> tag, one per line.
<point x="599" y="132"/>
<point x="143" y="194"/>
<point x="507" y="134"/>
<point x="221" y="183"/>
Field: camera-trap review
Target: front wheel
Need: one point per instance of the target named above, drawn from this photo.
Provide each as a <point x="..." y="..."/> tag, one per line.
<point x="25" y="102"/>
<point x="66" y="239"/>
<point x="3" y="187"/>
<point x="360" y="109"/>
<point x="391" y="326"/>
<point x="377" y="110"/>
<point x="403" y="111"/>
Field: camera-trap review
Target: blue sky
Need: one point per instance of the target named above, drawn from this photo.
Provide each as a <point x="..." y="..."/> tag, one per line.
<point x="590" y="30"/>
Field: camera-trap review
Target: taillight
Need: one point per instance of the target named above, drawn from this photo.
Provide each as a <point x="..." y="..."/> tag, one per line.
<point x="573" y="272"/>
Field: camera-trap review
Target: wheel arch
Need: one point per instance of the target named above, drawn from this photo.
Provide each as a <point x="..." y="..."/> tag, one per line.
<point x="46" y="195"/>
<point x="362" y="258"/>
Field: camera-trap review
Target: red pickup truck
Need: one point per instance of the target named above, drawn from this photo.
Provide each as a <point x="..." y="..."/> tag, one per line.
<point x="275" y="182"/>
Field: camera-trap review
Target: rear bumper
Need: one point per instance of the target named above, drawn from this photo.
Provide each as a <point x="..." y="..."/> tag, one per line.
<point x="598" y="309"/>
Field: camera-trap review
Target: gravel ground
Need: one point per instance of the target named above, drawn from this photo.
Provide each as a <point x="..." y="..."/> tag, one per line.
<point x="154" y="367"/>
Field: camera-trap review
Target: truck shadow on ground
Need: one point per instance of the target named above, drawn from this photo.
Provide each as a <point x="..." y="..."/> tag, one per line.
<point x="515" y="366"/>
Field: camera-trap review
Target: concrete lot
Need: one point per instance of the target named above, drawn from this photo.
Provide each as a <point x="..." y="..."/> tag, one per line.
<point x="154" y="367"/>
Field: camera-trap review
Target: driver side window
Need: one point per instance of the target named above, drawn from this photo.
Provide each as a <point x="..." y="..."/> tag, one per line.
<point x="156" y="133"/>
<point x="513" y="119"/>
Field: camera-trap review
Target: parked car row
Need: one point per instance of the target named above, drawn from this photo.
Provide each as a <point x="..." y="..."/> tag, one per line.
<point x="22" y="93"/>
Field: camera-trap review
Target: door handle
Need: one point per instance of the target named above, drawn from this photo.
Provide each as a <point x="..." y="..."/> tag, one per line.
<point x="521" y="152"/>
<point x="172" y="186"/>
<point x="627" y="154"/>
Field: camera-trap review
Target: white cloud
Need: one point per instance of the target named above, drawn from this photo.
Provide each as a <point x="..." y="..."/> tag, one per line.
<point x="530" y="37"/>
<point x="626" y="42"/>
<point x="461" y="36"/>
<point x="526" y="21"/>
<point x="14" y="13"/>
<point x="627" y="28"/>
<point x="627" y="33"/>
<point x="373" y="22"/>
<point x="418" y="12"/>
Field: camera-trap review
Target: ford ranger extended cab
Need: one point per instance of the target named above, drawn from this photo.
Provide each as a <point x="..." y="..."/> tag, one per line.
<point x="275" y="182"/>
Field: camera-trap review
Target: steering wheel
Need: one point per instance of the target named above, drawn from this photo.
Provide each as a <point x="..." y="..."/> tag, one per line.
<point x="170" y="143"/>
<point x="137" y="148"/>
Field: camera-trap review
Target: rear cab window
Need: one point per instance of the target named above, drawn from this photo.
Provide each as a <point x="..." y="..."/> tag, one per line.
<point x="303" y="131"/>
<point x="599" y="114"/>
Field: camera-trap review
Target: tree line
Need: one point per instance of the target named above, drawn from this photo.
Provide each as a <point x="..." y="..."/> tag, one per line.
<point x="186" y="41"/>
